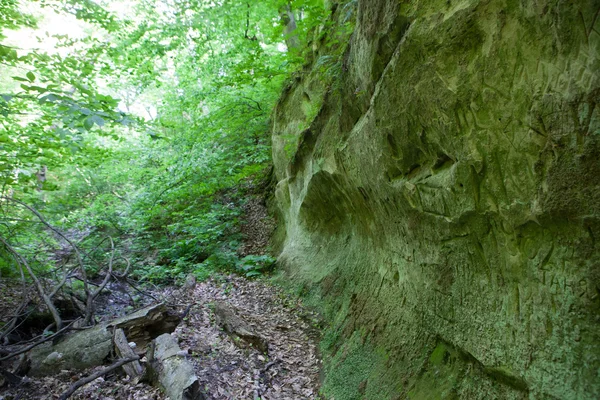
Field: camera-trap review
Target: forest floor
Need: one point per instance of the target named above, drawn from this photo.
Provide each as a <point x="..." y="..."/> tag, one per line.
<point x="225" y="367"/>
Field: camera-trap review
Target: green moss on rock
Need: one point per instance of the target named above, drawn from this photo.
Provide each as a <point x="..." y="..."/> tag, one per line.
<point x="442" y="199"/>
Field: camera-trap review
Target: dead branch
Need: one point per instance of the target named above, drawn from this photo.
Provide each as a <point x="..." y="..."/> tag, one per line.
<point x="63" y="281"/>
<point x="95" y="376"/>
<point x="126" y="272"/>
<point x="14" y="328"/>
<point x="110" y="270"/>
<point x="90" y="294"/>
<point x="12" y="325"/>
<point x="44" y="340"/>
<point x="59" y="233"/>
<point x="140" y="291"/>
<point x="88" y="254"/>
<point x="89" y="309"/>
<point x="40" y="289"/>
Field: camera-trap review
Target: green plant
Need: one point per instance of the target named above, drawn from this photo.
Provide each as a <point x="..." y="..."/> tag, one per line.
<point x="165" y="181"/>
<point x="254" y="265"/>
<point x="202" y="273"/>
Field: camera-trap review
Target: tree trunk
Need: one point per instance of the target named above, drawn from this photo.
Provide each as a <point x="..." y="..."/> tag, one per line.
<point x="90" y="347"/>
<point x="133" y="369"/>
<point x="288" y="20"/>
<point x="172" y="371"/>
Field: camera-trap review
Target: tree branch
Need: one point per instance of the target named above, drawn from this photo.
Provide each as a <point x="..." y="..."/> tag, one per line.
<point x="59" y="233"/>
<point x="40" y="289"/>
<point x="248" y="24"/>
<point x="95" y="376"/>
<point x="47" y="338"/>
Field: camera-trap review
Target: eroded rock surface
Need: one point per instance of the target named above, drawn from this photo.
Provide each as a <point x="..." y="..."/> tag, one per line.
<point x="440" y="186"/>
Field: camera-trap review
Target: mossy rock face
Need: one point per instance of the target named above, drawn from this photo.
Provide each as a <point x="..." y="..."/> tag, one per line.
<point x="440" y="193"/>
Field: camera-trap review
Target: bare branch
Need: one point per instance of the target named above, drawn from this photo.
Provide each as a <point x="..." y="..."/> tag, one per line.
<point x="109" y="272"/>
<point x="97" y="375"/>
<point x="59" y="233"/>
<point x="258" y="106"/>
<point x="44" y="340"/>
<point x="12" y="325"/>
<point x="40" y="289"/>
<point x="89" y="309"/>
<point x="126" y="272"/>
<point x="90" y="296"/>
<point x="139" y="290"/>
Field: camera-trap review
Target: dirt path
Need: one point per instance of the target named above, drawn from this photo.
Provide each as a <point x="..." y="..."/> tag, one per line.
<point x="226" y="367"/>
<point x="228" y="371"/>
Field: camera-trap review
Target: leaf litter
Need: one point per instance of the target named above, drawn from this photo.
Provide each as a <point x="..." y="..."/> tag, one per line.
<point x="226" y="366"/>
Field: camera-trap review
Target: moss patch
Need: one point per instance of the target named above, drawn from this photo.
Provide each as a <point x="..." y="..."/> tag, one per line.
<point x="349" y="369"/>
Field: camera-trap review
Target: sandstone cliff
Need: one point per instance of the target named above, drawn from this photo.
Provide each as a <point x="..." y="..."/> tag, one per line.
<point x="438" y="169"/>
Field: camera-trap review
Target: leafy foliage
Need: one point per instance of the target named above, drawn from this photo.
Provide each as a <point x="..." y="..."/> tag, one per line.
<point x="145" y="125"/>
<point x="254" y="265"/>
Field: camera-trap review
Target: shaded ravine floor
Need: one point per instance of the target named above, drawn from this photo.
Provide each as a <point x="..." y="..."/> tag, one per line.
<point x="290" y="370"/>
<point x="225" y="366"/>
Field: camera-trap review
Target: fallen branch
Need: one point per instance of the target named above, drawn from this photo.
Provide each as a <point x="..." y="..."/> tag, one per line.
<point x="124" y="351"/>
<point x="59" y="233"/>
<point x="93" y="377"/>
<point x="40" y="289"/>
<point x="186" y="312"/>
<point x="140" y="291"/>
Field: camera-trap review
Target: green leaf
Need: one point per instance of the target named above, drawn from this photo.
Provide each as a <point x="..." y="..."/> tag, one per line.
<point x="30" y="76"/>
<point x="7" y="54"/>
<point x="50" y="186"/>
<point x="97" y="120"/>
<point x="88" y="123"/>
<point x="50" y="98"/>
<point x="127" y="121"/>
<point x="18" y="78"/>
<point x="38" y="89"/>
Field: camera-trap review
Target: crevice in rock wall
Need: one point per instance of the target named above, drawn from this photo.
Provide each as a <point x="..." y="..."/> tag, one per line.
<point x="444" y="350"/>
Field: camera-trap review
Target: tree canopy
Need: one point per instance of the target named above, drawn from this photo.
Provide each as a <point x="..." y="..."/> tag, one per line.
<point x="146" y="120"/>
